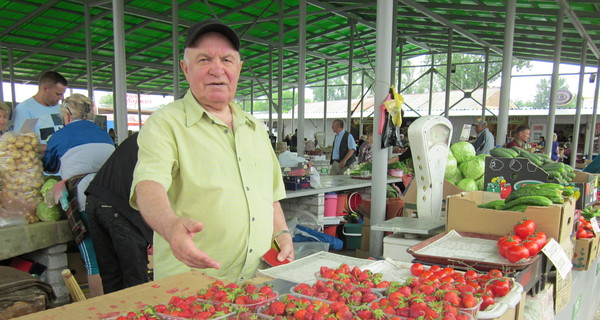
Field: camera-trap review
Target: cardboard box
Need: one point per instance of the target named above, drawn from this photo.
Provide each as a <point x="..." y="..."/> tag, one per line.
<point x="410" y="194"/>
<point x="130" y="299"/>
<point x="556" y="220"/>
<point x="562" y="292"/>
<point x="366" y="238"/>
<point x="585" y="252"/>
<point x="588" y="189"/>
<point x="363" y="254"/>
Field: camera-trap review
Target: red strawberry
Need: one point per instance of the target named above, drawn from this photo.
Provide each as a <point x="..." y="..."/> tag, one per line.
<point x="277" y="308"/>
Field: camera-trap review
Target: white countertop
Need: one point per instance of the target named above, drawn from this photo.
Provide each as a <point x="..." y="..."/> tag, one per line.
<point x="331" y="183"/>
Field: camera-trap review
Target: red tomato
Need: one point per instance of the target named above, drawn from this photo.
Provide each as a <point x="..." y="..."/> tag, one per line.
<point x="506" y="242"/>
<point x="500" y="287"/>
<point x="516" y="253"/>
<point x="540" y="238"/>
<point x="416" y="269"/>
<point x="531" y="246"/>
<point x="494" y="273"/>
<point x="487" y="301"/>
<point x="524" y="228"/>
<point x="471" y="275"/>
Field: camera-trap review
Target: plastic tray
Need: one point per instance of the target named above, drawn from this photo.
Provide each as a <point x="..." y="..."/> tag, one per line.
<point x="461" y="263"/>
<point x="380" y="290"/>
<point x="170" y="317"/>
<point x="311" y="283"/>
<point x="502" y="304"/>
<point x="262" y="308"/>
<point x="251" y="307"/>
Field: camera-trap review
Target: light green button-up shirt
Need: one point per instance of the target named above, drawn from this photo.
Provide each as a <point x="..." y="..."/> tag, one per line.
<point x="227" y="180"/>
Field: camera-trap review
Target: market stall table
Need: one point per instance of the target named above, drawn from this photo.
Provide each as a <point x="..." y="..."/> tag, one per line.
<point x="17" y="240"/>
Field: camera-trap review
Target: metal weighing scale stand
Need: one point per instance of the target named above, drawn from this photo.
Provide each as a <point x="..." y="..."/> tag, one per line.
<point x="429" y="138"/>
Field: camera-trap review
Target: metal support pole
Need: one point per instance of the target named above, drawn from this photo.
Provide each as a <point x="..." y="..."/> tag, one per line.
<point x="270" y="89"/>
<point x="88" y="51"/>
<point x="384" y="26"/>
<point x="554" y="82"/>
<point x="1" y="77"/>
<point x="486" y="70"/>
<point x="11" y="68"/>
<point x="431" y="83"/>
<point x="301" y="74"/>
<point x="400" y="59"/>
<point x="509" y="35"/>
<point x="120" y="97"/>
<point x="251" y="96"/>
<point x="394" y="43"/>
<point x="280" y="75"/>
<point x="592" y="137"/>
<point x="139" y="107"/>
<point x="325" y="89"/>
<point x="448" y="74"/>
<point x="350" y="68"/>
<point x="575" y="141"/>
<point x="362" y="103"/>
<point x="175" y="40"/>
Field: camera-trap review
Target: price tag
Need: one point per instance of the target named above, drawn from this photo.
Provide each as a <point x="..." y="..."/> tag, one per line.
<point x="595" y="226"/>
<point x="558" y="257"/>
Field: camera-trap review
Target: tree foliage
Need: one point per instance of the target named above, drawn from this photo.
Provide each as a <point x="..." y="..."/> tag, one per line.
<point x="541" y="100"/>
<point x="468" y="72"/>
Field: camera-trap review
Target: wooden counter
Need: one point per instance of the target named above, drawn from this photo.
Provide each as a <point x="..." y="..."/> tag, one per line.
<point x="22" y="239"/>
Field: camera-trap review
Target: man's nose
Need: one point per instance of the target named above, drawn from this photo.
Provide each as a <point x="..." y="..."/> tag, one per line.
<point x="216" y="67"/>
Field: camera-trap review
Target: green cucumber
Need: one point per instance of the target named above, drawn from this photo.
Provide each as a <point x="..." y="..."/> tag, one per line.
<point x="520" y="207"/>
<point x="503" y="152"/>
<point x="529" y="200"/>
<point x="492" y="204"/>
<point x="551" y="185"/>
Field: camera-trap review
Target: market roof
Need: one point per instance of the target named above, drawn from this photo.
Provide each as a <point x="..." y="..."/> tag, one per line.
<point x="42" y="35"/>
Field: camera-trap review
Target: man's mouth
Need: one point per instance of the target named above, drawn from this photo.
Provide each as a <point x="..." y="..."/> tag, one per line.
<point x="217" y="84"/>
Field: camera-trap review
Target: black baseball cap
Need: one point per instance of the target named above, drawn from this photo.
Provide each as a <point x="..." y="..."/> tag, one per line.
<point x="211" y="25"/>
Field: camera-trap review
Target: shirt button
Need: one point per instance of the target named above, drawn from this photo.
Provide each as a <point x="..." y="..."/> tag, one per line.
<point x="250" y="251"/>
<point x="212" y="122"/>
<point x="240" y="159"/>
<point x="116" y="215"/>
<point x="247" y="189"/>
<point x="226" y="130"/>
<point x="252" y="218"/>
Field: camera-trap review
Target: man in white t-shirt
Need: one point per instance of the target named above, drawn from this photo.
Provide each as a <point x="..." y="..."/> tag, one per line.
<point x="44" y="106"/>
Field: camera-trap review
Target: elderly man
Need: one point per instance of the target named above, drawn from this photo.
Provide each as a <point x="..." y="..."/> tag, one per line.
<point x="521" y="138"/>
<point x="207" y="180"/>
<point x="485" y="140"/>
<point x="44" y="106"/>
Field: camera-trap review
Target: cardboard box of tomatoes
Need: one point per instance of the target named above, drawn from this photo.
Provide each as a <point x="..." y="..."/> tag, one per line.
<point x="462" y="214"/>
<point x="586" y="245"/>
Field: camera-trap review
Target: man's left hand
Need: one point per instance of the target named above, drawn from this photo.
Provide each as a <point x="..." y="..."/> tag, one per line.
<point x="342" y="163"/>
<point x="287" y="247"/>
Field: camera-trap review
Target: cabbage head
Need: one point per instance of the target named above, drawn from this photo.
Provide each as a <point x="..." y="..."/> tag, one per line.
<point x="462" y="151"/>
<point x="451" y="166"/>
<point x="473" y="168"/>
<point x="467" y="184"/>
<point x="480" y="183"/>
<point x="45" y="213"/>
<point x="455" y="178"/>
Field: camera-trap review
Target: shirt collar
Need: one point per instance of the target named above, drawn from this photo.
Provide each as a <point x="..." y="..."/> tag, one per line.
<point x="195" y="111"/>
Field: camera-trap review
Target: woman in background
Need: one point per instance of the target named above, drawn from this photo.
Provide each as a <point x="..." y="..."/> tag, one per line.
<point x="77" y="152"/>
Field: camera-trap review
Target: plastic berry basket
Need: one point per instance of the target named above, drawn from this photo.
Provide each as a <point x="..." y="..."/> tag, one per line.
<point x="293" y="290"/>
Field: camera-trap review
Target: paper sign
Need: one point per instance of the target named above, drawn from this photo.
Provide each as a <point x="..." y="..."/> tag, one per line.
<point x="595" y="226"/>
<point x="28" y="125"/>
<point x="465" y="133"/>
<point x="558" y="257"/>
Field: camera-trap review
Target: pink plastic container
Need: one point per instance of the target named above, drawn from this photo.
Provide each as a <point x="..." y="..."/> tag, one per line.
<point x="331" y="203"/>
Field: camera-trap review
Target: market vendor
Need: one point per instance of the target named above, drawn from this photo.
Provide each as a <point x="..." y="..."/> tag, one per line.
<point x="521" y="138"/>
<point x="207" y="179"/>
